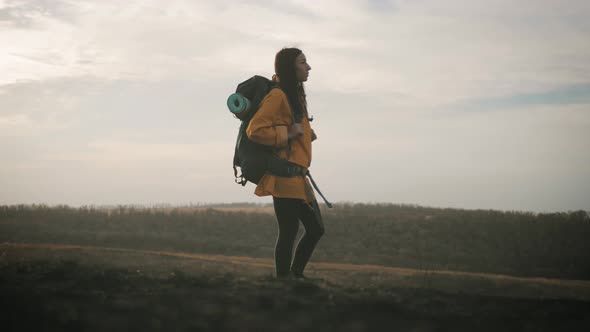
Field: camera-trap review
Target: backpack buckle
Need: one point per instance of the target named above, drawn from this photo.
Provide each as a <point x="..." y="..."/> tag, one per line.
<point x="297" y="170"/>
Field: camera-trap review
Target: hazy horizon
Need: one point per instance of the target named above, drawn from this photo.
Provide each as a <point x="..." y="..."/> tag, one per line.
<point x="461" y="104"/>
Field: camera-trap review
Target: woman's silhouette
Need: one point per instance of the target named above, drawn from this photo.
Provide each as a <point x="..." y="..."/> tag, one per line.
<point x="282" y="121"/>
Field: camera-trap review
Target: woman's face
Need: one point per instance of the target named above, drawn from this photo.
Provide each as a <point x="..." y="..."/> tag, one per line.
<point x="302" y="68"/>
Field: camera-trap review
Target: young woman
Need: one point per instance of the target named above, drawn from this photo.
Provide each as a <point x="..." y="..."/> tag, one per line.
<point x="282" y="121"/>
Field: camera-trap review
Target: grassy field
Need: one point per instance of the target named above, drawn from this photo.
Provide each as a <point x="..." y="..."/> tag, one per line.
<point x="60" y="287"/>
<point x="378" y="268"/>
<point x="553" y="245"/>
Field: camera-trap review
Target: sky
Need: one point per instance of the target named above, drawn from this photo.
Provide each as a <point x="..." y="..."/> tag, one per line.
<point x="470" y="104"/>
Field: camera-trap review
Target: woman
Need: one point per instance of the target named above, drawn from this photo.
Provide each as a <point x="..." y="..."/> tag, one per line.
<point x="282" y="122"/>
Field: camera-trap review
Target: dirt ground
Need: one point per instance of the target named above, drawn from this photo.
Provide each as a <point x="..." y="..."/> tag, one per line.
<point x="63" y="288"/>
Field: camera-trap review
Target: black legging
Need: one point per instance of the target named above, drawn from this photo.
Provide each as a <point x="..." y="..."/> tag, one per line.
<point x="289" y="212"/>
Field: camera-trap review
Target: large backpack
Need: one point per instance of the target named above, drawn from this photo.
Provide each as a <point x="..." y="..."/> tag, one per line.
<point x="253" y="159"/>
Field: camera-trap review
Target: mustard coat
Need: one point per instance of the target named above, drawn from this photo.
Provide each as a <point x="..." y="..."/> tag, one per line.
<point x="269" y="126"/>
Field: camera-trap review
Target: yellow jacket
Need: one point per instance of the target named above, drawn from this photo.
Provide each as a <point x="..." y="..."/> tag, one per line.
<point x="269" y="127"/>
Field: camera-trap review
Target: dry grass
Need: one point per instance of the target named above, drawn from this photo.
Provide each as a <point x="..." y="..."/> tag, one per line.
<point x="345" y="275"/>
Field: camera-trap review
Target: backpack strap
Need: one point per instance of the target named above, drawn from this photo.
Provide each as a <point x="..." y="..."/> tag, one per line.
<point x="315" y="186"/>
<point x="293" y="121"/>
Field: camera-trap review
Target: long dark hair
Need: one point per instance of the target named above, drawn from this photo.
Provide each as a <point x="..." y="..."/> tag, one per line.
<point x="285" y="70"/>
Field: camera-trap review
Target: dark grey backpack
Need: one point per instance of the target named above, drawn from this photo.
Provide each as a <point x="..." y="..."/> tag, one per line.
<point x="253" y="159"/>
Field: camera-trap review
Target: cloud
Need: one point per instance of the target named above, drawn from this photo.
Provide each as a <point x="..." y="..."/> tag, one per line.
<point x="26" y="14"/>
<point x="520" y="157"/>
<point x="443" y="53"/>
<point x="567" y="95"/>
<point x="432" y="53"/>
<point x="433" y="102"/>
<point x="34" y="109"/>
<point x="116" y="172"/>
<point x="126" y="153"/>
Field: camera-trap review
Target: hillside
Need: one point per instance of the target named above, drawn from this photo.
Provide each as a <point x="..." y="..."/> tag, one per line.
<point x="552" y="245"/>
<point x="61" y="287"/>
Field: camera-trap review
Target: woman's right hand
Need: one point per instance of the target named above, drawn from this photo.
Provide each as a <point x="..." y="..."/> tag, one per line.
<point x="295" y="130"/>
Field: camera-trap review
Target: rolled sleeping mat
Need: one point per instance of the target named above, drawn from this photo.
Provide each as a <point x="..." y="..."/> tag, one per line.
<point x="238" y="105"/>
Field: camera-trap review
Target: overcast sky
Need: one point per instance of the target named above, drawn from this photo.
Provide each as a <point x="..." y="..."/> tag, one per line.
<point x="456" y="103"/>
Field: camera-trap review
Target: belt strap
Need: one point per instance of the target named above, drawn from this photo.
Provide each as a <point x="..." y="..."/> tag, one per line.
<point x="284" y="168"/>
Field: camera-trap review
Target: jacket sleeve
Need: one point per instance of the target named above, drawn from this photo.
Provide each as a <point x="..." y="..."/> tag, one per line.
<point x="266" y="126"/>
